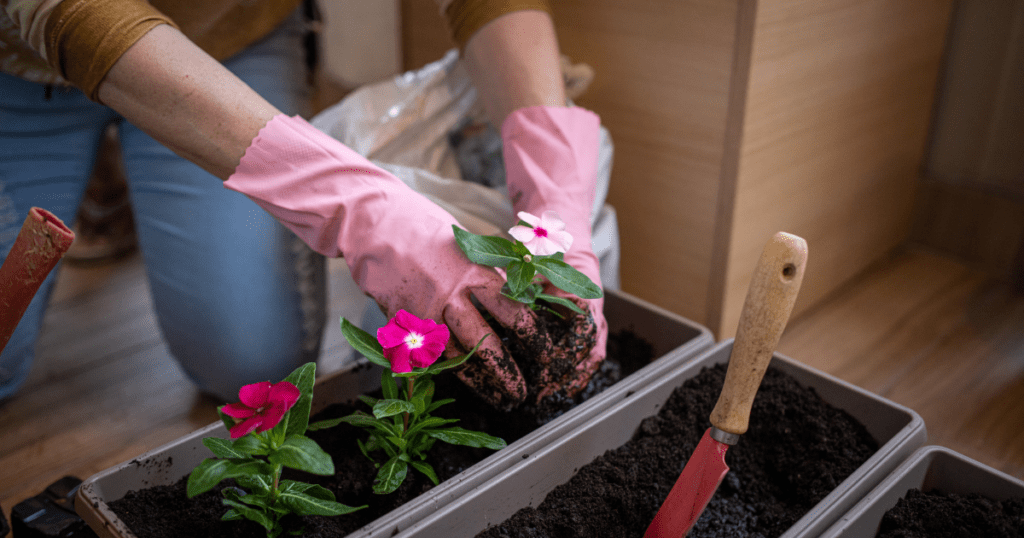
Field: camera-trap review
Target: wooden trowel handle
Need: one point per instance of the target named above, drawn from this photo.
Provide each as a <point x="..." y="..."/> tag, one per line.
<point x="770" y="298"/>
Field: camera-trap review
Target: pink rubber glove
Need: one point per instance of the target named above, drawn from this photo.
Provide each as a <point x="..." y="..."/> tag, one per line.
<point x="551" y="164"/>
<point x="399" y="245"/>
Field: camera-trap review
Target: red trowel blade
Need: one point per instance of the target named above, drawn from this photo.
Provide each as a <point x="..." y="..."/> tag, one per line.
<point x="692" y="490"/>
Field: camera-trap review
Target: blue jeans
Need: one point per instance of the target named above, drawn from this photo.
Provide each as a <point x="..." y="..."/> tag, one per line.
<point x="238" y="297"/>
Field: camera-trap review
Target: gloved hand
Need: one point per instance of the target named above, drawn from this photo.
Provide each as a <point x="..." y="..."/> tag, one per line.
<point x="399" y="246"/>
<point x="551" y="164"/>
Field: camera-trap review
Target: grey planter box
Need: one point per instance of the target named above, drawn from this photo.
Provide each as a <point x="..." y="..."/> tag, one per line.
<point x="675" y="339"/>
<point x="932" y="467"/>
<point x="898" y="430"/>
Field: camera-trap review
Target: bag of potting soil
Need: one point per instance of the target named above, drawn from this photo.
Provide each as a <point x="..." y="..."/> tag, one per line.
<point x="428" y="129"/>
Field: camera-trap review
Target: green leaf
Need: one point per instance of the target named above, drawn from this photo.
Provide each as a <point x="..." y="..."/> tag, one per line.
<point x="390" y="476"/>
<point x="298" y="416"/>
<point x="426" y="469"/>
<point x="226" y="420"/>
<point x="359" y="418"/>
<point x="419" y="406"/>
<point x="249" y="445"/>
<point x="485" y="250"/>
<point x="231" y="515"/>
<point x="520" y="274"/>
<point x="364" y="343"/>
<point x="397" y="441"/>
<point x="433" y="407"/>
<point x="567" y="278"/>
<point x="304" y="504"/>
<point x="387" y="385"/>
<point x="302" y="453"/>
<point x="256" y="483"/>
<point x="324" y="424"/>
<point x="368" y="400"/>
<point x="223" y="448"/>
<point x="429" y="422"/>
<point x="459" y="436"/>
<point x="388" y="408"/>
<point x="424" y="389"/>
<point x="250" y="513"/>
<point x="562" y="301"/>
<point x="206" y="475"/>
<point x="452" y="363"/>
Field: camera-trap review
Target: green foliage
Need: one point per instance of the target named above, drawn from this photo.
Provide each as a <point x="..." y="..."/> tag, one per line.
<point x="256" y="460"/>
<point x="400" y="425"/>
<point x="523" y="270"/>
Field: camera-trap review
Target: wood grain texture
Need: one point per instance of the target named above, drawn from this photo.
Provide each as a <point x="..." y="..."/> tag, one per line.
<point x="935" y="335"/>
<point x="773" y="291"/>
<point x="836" y="118"/>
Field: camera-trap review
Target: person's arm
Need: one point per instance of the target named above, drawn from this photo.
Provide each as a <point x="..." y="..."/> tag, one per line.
<point x="168" y="87"/>
<point x="514" y="62"/>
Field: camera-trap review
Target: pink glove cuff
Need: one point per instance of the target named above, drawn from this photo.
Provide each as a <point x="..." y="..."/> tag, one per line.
<point x="551" y="159"/>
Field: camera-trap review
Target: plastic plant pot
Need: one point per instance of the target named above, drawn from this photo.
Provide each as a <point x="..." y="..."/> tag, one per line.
<point x="930" y="468"/>
<point x="675" y="340"/>
<point x="898" y="431"/>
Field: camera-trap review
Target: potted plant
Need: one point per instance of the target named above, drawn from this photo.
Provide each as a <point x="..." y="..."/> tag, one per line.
<point x="937" y="490"/>
<point x="590" y="449"/>
<point x="673" y="341"/>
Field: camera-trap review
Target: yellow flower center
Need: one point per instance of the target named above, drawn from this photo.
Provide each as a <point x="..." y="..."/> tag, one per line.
<point x="413" y="340"/>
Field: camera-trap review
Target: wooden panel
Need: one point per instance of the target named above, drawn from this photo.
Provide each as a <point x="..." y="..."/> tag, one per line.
<point x="835" y="127"/>
<point x="982" y="227"/>
<point x="662" y="80"/>
<point x="979" y="119"/>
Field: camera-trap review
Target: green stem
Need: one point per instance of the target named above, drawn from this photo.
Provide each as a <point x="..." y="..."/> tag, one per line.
<point x="405" y="416"/>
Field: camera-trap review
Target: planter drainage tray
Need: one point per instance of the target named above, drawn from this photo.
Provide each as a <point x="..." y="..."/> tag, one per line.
<point x="674" y="340"/>
<point x="932" y="468"/>
<point x="898" y="431"/>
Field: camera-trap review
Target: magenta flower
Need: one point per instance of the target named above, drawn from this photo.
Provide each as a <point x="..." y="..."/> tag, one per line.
<point x="262" y="406"/>
<point x="547" y="235"/>
<point x="410" y="341"/>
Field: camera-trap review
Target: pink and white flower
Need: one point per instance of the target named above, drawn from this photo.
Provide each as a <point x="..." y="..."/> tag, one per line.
<point x="410" y="341"/>
<point x="546" y="234"/>
<point x="262" y="405"/>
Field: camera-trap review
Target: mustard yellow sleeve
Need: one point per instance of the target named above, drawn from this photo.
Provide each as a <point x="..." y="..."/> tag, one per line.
<point x="465" y="17"/>
<point x="84" y="38"/>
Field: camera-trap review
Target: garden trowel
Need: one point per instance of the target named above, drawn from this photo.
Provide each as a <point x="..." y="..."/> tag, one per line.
<point x="770" y="298"/>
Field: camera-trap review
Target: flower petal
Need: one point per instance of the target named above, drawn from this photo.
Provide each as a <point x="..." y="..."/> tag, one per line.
<point x="255" y="395"/>
<point x="522" y="234"/>
<point x="561" y="238"/>
<point x="284" y="393"/>
<point x="398" y="356"/>
<point x="392" y="334"/>
<point x="237" y="410"/>
<point x="528" y="218"/>
<point x="246" y="427"/>
<point x="551" y="221"/>
<point x="272" y="415"/>
<point x="543" y="246"/>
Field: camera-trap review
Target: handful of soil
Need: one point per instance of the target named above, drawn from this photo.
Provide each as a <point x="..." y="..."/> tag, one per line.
<point x="935" y="514"/>
<point x="797" y="450"/>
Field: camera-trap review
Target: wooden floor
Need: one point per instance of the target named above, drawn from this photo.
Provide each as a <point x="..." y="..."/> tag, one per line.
<point x="920" y="329"/>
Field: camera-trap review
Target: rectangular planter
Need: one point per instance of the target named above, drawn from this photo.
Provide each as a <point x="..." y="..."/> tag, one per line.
<point x="675" y="340"/>
<point x="932" y="467"/>
<point x="898" y="430"/>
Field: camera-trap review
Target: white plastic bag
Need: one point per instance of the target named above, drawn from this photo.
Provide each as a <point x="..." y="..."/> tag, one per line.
<point x="404" y="126"/>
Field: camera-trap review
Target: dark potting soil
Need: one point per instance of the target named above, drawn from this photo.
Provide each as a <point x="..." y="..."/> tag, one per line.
<point x="798" y="448"/>
<point x="936" y="514"/>
<point x="165" y="511"/>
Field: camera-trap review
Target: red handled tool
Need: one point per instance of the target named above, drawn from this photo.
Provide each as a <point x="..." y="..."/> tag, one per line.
<point x="41" y="243"/>
<point x="770" y="298"/>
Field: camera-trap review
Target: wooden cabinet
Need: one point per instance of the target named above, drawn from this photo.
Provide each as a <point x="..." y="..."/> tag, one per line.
<point x="736" y="119"/>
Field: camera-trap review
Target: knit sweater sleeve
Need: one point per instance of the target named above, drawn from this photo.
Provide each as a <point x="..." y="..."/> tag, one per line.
<point x="82" y="39"/>
<point x="465" y="17"/>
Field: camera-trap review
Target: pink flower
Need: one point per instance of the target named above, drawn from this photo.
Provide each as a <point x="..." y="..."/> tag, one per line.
<point x="410" y="341"/>
<point x="262" y="406"/>
<point x="547" y="235"/>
